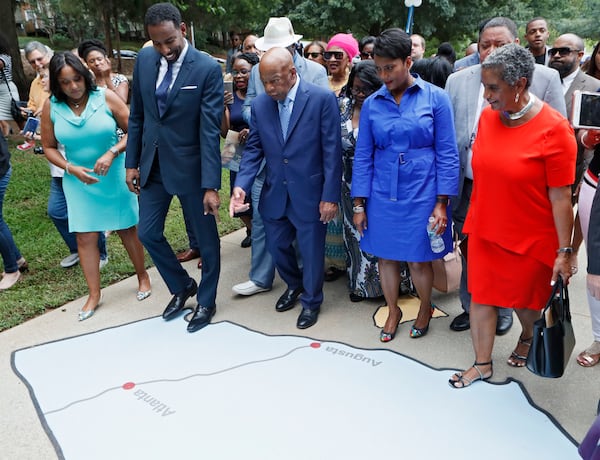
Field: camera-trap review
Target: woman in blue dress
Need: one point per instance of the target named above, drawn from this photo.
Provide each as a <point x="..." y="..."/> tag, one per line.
<point x="405" y="168"/>
<point x="84" y="119"/>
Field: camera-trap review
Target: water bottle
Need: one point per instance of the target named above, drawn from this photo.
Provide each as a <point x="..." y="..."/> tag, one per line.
<point x="436" y="241"/>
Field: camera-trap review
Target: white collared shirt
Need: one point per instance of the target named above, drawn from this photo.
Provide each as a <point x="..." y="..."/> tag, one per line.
<point x="567" y="81"/>
<point x="291" y="95"/>
<point x="176" y="67"/>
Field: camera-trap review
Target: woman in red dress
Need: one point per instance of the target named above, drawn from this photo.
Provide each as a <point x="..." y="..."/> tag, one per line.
<point x="520" y="219"/>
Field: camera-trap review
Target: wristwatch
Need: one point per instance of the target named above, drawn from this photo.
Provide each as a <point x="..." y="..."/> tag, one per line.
<point x="114" y="151"/>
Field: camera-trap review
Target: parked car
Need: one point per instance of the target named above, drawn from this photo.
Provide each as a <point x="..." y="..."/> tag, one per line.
<point x="126" y="54"/>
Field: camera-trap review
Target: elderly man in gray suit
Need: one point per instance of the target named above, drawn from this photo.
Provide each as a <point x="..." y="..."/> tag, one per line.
<point x="466" y="94"/>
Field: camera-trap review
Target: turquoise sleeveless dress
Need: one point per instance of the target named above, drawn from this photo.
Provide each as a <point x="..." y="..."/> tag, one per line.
<point x="107" y="204"/>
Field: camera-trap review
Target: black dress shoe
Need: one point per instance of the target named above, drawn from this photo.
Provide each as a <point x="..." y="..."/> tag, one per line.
<point x="461" y="322"/>
<point x="504" y="324"/>
<point x="288" y="299"/>
<point x="177" y="303"/>
<point x="200" y="318"/>
<point x="307" y="318"/>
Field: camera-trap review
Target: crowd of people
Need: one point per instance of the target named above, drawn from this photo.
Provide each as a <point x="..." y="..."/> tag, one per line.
<point x="359" y="158"/>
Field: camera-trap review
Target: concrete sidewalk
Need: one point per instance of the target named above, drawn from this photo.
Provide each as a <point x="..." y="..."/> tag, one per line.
<point x="571" y="400"/>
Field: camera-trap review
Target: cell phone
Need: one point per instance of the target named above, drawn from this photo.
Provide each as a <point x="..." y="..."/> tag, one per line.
<point x="31" y="125"/>
<point x="586" y="110"/>
<point x="228" y="86"/>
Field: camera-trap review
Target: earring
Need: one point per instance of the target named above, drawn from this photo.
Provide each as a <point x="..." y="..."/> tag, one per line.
<point x="516" y="98"/>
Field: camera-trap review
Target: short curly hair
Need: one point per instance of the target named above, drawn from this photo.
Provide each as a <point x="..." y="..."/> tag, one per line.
<point x="513" y="62"/>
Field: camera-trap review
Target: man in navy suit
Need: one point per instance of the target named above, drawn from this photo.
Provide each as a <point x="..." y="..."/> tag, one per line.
<point x="173" y="149"/>
<point x="298" y="135"/>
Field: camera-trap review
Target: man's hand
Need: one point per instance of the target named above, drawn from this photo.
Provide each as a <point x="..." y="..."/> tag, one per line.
<point x="132" y="177"/>
<point x="236" y="204"/>
<point x="328" y="211"/>
<point x="212" y="202"/>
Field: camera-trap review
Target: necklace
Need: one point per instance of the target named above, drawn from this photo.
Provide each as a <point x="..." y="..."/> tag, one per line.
<point x="76" y="105"/>
<point x="523" y="111"/>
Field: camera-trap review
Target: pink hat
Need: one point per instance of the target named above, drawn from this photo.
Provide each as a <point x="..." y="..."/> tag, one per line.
<point x="345" y="41"/>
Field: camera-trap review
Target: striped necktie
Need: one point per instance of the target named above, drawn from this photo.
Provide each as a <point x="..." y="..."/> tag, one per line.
<point x="284" y="116"/>
<point x="162" y="92"/>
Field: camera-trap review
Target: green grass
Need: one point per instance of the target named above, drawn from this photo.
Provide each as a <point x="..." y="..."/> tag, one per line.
<point x="47" y="285"/>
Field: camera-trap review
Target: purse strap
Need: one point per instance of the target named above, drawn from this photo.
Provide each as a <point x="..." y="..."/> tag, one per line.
<point x="7" y="85"/>
<point x="560" y="293"/>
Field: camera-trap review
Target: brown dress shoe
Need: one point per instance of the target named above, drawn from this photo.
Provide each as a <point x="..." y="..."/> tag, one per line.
<point x="189" y="254"/>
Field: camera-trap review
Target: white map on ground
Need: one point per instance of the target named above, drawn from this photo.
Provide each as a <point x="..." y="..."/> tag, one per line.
<point x="148" y="390"/>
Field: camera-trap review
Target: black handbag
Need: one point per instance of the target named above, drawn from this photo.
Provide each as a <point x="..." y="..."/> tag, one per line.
<point x="553" y="337"/>
<point x="15" y="108"/>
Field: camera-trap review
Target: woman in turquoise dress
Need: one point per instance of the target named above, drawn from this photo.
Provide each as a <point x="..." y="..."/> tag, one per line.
<point x="84" y="119"/>
<point x="405" y="168"/>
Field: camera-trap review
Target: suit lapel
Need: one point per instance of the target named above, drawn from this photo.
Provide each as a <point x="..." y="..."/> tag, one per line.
<point x="473" y="97"/>
<point x="185" y="69"/>
<point x="156" y="70"/>
<point x="299" y="104"/>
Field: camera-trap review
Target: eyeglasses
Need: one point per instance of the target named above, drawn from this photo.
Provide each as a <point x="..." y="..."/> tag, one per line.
<point x="563" y="51"/>
<point x="314" y="55"/>
<point x="337" y="55"/>
<point x="365" y="90"/>
<point x="366" y="55"/>
<point x="243" y="72"/>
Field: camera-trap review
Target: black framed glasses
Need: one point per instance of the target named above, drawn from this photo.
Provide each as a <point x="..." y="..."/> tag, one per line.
<point x="243" y="72"/>
<point x="366" y="55"/>
<point x="364" y="90"/>
<point x="562" y="51"/>
<point x="337" y="55"/>
<point x="314" y="55"/>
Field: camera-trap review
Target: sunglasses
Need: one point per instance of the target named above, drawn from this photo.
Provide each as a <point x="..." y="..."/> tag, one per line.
<point x="564" y="51"/>
<point x="313" y="55"/>
<point x="242" y="72"/>
<point x="365" y="90"/>
<point x="366" y="55"/>
<point x="337" y="55"/>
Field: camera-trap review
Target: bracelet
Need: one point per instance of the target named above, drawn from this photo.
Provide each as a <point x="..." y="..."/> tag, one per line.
<point x="114" y="151"/>
<point x="442" y="200"/>
<point x="358" y="209"/>
<point x="565" y="250"/>
<point x="67" y="168"/>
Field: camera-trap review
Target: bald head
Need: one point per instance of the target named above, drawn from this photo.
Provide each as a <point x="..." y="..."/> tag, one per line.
<point x="277" y="73"/>
<point x="575" y="41"/>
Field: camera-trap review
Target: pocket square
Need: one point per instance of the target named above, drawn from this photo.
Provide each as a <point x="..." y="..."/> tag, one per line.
<point x="189" y="87"/>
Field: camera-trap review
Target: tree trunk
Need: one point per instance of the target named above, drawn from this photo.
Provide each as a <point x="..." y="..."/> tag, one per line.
<point x="9" y="29"/>
<point x="115" y="15"/>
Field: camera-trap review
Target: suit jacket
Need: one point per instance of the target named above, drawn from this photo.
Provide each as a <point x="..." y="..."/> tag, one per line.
<point x="463" y="88"/>
<point x="186" y="137"/>
<point x="593" y="242"/>
<point x="582" y="82"/>
<point x="306" y="168"/>
<point x="309" y="71"/>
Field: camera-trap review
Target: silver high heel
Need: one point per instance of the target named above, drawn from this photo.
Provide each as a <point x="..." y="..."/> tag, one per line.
<point x="142" y="295"/>
<point x="87" y="314"/>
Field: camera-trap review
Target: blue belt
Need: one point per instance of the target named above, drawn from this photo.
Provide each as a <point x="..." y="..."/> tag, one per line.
<point x="402" y="157"/>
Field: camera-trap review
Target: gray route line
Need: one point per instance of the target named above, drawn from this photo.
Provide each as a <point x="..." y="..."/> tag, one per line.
<point x="208" y="374"/>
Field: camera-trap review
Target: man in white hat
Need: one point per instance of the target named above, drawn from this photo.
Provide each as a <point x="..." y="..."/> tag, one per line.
<point x="278" y="33"/>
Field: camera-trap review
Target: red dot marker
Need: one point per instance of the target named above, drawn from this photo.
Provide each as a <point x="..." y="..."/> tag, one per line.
<point x="315" y="345"/>
<point x="128" y="385"/>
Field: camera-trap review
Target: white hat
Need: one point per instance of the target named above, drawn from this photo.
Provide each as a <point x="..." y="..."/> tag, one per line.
<point x="278" y="32"/>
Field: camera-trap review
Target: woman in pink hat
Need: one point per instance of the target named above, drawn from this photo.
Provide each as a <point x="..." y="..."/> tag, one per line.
<point x="341" y="49"/>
